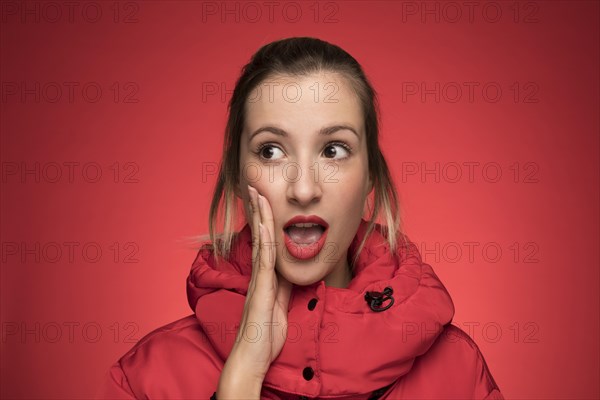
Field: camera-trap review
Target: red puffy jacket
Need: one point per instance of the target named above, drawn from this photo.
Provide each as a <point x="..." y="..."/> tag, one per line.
<point x="388" y="335"/>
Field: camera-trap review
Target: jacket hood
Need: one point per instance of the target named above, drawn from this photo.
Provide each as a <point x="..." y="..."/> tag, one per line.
<point x="347" y="347"/>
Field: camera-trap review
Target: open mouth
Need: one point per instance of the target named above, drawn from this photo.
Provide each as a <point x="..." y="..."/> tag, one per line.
<point x="305" y="234"/>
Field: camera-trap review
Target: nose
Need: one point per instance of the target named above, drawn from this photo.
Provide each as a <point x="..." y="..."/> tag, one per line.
<point x="304" y="183"/>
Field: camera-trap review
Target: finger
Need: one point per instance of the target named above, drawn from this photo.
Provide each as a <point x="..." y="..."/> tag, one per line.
<point x="255" y="215"/>
<point x="267" y="220"/>
<point x="254" y="220"/>
<point x="266" y="261"/>
<point x="261" y="299"/>
<point x="265" y="283"/>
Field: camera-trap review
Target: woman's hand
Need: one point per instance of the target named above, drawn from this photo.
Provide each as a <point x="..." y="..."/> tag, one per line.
<point x="263" y="328"/>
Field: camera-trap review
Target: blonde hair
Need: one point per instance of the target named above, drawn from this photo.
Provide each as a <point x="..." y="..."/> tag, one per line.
<point x="301" y="56"/>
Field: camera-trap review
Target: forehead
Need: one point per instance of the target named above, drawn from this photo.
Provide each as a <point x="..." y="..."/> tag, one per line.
<point x="304" y="102"/>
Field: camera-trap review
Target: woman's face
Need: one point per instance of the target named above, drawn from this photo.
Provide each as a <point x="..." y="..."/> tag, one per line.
<point x="304" y="149"/>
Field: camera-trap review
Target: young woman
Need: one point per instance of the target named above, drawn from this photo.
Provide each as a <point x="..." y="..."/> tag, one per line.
<point x="309" y="299"/>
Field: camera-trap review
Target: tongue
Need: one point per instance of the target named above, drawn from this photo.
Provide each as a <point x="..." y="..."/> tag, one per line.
<point x="304" y="235"/>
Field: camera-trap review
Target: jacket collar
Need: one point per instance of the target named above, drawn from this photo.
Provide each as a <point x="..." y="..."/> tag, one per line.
<point x="351" y="348"/>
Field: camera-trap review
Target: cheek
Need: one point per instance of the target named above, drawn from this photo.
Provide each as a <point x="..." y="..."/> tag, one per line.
<point x="355" y="203"/>
<point x="351" y="189"/>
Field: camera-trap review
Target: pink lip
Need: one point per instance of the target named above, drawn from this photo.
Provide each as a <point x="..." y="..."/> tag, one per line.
<point x="313" y="219"/>
<point x="305" y="252"/>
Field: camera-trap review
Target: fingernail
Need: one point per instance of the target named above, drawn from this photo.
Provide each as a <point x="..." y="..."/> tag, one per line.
<point x="260" y="227"/>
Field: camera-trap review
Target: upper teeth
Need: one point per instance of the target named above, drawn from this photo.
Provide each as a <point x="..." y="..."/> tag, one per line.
<point x="305" y="225"/>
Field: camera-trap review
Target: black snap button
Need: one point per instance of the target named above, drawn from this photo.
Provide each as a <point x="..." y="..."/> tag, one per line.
<point x="312" y="304"/>
<point x="308" y="373"/>
<point x="303" y="398"/>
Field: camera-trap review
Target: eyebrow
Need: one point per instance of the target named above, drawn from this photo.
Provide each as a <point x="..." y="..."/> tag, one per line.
<point x="327" y="130"/>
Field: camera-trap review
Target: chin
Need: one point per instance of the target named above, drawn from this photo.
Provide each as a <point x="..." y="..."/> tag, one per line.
<point x="297" y="274"/>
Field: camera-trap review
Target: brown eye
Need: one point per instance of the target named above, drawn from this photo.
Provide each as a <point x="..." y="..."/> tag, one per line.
<point x="330" y="152"/>
<point x="337" y="151"/>
<point x="268" y="152"/>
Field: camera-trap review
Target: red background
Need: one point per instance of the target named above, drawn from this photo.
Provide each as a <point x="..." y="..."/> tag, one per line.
<point x="157" y="126"/>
